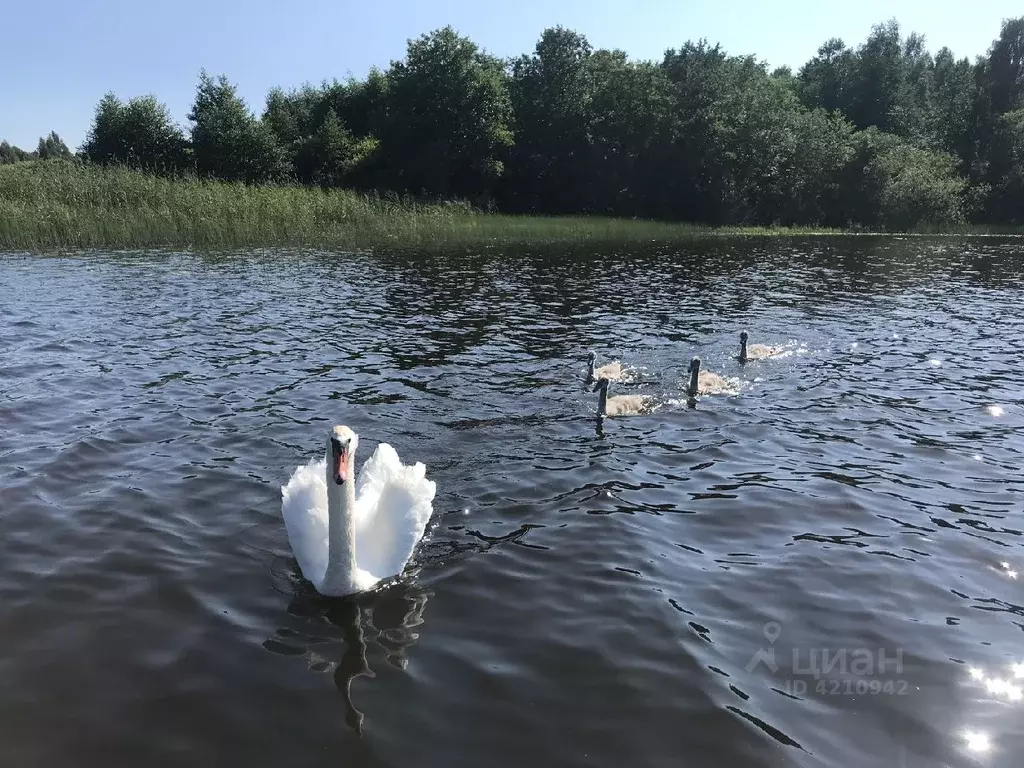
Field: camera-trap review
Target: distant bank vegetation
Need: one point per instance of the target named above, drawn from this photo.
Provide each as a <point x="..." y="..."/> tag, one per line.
<point x="47" y="205"/>
<point x="882" y="136"/>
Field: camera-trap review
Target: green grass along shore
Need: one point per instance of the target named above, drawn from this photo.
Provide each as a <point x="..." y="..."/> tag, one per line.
<point x="49" y="205"/>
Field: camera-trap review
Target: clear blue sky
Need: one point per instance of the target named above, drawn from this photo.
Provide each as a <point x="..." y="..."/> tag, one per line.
<point x="58" y="58"/>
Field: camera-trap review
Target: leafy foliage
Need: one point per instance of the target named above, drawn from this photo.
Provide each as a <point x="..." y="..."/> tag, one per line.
<point x="228" y="142"/>
<point x="12" y="154"/>
<point x="52" y="147"/>
<point x="446" y="128"/>
<point x="551" y="95"/>
<point x="882" y="134"/>
<point x="140" y="134"/>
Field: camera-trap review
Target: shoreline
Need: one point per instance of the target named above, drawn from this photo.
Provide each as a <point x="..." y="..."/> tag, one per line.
<point x="49" y="206"/>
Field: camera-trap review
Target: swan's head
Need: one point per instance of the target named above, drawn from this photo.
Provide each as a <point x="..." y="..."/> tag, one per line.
<point x="591" y="357"/>
<point x="694" y="365"/>
<point x="743" y="336"/>
<point x="341" y="447"/>
<point x="602" y="383"/>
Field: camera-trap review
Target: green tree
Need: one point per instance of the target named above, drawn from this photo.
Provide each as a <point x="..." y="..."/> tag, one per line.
<point x="828" y="80"/>
<point x="781" y="161"/>
<point x="885" y="83"/>
<point x="291" y="115"/>
<point x="361" y="105"/>
<point x="1000" y="78"/>
<point x="882" y="134"/>
<point x="1006" y="68"/>
<point x="899" y="187"/>
<point x="1007" y="198"/>
<point x="320" y="147"/>
<point x="631" y="109"/>
<point x="12" y="154"/>
<point x="912" y="113"/>
<point x="140" y="134"/>
<point x="52" y="147"/>
<point x="690" y="152"/>
<point x="447" y="128"/>
<point x="952" y="109"/>
<point x="228" y="142"/>
<point x="551" y="93"/>
<point x="876" y="97"/>
<point x="332" y="156"/>
<point x="292" y="119"/>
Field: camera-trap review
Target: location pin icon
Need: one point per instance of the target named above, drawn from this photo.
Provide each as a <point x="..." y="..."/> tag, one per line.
<point x="772" y="630"/>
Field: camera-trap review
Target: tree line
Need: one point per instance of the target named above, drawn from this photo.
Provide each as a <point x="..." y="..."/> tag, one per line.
<point x="50" y="147"/>
<point x="884" y="134"/>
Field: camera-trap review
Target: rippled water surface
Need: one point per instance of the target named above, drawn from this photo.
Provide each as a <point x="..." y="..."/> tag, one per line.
<point x="818" y="571"/>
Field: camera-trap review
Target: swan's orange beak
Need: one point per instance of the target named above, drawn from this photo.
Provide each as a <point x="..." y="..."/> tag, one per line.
<point x="340" y="459"/>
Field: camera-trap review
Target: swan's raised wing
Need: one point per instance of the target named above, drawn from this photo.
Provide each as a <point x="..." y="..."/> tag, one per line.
<point x="393" y="505"/>
<point x="304" y="509"/>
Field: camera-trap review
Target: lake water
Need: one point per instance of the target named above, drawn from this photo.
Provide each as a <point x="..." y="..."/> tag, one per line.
<point x="818" y="571"/>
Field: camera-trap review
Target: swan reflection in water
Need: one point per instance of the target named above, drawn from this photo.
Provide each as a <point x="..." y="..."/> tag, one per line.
<point x="338" y="636"/>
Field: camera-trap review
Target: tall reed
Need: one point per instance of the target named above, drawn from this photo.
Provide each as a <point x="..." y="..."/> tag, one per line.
<point x="53" y="205"/>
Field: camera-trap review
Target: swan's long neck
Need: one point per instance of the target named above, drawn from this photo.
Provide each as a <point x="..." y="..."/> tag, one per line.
<point x="602" y="400"/>
<point x="341" y="534"/>
<point x="743" y="349"/>
<point x="590" y="370"/>
<point x="691" y="387"/>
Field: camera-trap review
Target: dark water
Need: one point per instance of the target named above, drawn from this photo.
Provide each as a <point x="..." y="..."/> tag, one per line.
<point x="819" y="571"/>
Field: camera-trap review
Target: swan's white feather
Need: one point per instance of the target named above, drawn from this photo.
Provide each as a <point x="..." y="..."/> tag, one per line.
<point x="304" y="508"/>
<point x="393" y="505"/>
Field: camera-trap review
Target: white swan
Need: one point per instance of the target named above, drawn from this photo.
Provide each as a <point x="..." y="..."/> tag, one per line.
<point x="349" y="534"/>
